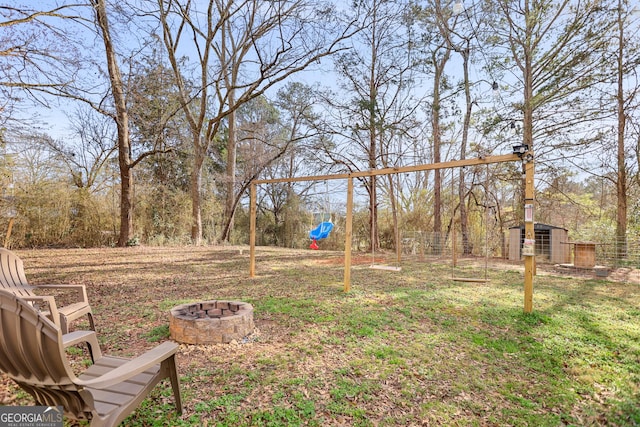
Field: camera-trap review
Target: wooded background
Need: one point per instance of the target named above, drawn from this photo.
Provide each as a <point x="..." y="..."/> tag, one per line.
<point x="144" y="121"/>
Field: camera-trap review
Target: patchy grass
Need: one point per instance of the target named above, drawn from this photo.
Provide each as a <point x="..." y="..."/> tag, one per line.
<point x="402" y="348"/>
<point x="159" y="333"/>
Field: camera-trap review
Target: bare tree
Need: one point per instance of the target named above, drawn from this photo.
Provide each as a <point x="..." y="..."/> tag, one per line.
<point x="37" y="57"/>
<point x="240" y="49"/>
<point x="49" y="48"/>
<point x="297" y="120"/>
<point x="120" y="114"/>
<point x="460" y="28"/>
<point x="121" y="117"/>
<point x="437" y="44"/>
<point x="88" y="158"/>
<point x="376" y="108"/>
<point x="439" y="57"/>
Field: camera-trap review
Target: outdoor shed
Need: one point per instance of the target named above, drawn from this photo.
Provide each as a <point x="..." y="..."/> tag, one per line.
<point x="551" y="243"/>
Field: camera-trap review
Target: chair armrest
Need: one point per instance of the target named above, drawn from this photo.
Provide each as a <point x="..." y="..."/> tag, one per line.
<point x="51" y="302"/>
<point x="88" y="337"/>
<point x="81" y="289"/>
<point x="133" y="367"/>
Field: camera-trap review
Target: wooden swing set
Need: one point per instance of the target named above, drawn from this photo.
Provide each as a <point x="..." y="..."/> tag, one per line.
<point x="515" y="157"/>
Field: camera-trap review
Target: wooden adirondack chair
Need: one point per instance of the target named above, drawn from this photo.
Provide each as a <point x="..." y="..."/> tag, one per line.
<point x="14" y="280"/>
<point x="32" y="354"/>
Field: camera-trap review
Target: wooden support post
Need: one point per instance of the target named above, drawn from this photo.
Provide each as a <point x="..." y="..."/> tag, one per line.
<point x="396" y="228"/>
<point x="348" y="236"/>
<point x="529" y="233"/>
<point x="252" y="231"/>
<point x="8" y="236"/>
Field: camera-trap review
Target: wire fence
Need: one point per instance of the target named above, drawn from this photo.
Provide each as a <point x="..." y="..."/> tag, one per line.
<point x="588" y="257"/>
<point x="620" y="254"/>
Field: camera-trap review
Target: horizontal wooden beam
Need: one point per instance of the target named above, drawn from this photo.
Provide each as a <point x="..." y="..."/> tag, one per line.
<point x="487" y="160"/>
<point x="303" y="178"/>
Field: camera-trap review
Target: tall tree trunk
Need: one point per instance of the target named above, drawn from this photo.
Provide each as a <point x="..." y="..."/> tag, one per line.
<point x="621" y="181"/>
<point x="462" y="191"/>
<point x="373" y="187"/>
<point x="373" y="136"/>
<point x="122" y="124"/>
<point x="393" y="192"/>
<point x="196" y="198"/>
<point x="437" y="142"/>
<point x="373" y="209"/>
<point x="126" y="203"/>
<point x="230" y="176"/>
<point x="373" y="194"/>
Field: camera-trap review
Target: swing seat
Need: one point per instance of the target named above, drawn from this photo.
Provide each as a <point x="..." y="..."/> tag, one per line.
<point x="470" y="280"/>
<point x="321" y="231"/>
<point x="385" y="267"/>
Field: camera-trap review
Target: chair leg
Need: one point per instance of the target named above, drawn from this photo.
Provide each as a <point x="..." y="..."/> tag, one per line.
<point x="93" y="328"/>
<point x="90" y="348"/>
<point x="92" y="325"/>
<point x="170" y="365"/>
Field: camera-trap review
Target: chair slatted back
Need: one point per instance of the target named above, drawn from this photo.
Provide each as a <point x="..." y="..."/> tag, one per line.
<point x="31" y="353"/>
<point x="12" y="276"/>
